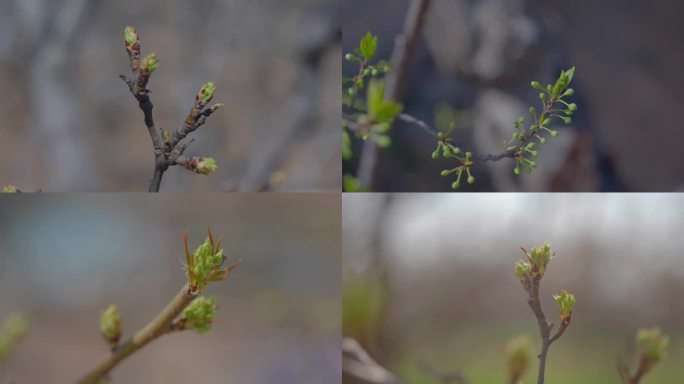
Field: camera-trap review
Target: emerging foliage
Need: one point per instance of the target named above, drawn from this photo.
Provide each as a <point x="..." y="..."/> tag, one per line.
<point x="199" y="314"/>
<point x="373" y="119"/>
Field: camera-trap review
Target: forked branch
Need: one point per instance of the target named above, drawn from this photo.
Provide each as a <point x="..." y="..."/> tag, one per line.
<point x="187" y="310"/>
<point x="168" y="148"/>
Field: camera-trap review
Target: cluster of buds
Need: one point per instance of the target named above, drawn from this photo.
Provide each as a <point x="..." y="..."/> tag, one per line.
<point x="551" y="97"/>
<point x="198" y="315"/>
<point x="652" y="344"/>
<point x="566" y="302"/>
<point x="517" y="352"/>
<point x="535" y="266"/>
<point x="132" y="44"/>
<point x="142" y="69"/>
<point x="110" y="325"/>
<point x="205" y="264"/>
<point x="363" y="54"/>
<point x="466" y="163"/>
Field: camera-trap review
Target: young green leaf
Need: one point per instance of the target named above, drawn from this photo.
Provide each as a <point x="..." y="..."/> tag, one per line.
<point x="368" y="45"/>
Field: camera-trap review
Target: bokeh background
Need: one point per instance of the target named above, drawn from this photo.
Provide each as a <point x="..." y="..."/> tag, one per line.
<point x="428" y="278"/>
<point x="63" y="259"/>
<point x="69" y="123"/>
<point x="478" y="58"/>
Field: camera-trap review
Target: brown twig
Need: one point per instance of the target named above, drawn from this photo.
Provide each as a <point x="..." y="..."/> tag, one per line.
<point x="161" y="325"/>
<point x="402" y="55"/>
<point x="636" y="377"/>
<point x="545" y="326"/>
<point x="167" y="149"/>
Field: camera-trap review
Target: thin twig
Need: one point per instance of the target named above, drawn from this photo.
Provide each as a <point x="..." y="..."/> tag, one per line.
<point x="635" y="378"/>
<point x="146" y="106"/>
<point x="161" y="325"/>
<point x="545" y="326"/>
<point x="168" y="148"/>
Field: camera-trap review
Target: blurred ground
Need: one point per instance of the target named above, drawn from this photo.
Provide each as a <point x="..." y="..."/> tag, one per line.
<point x="429" y="278"/>
<point x="63" y="259"/>
<point x="480" y="56"/>
<point x="69" y="123"/>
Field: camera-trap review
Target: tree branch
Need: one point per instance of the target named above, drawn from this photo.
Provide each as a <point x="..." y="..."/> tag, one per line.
<point x="167" y="148"/>
<point x="161" y="325"/>
<point x="357" y="363"/>
<point x="202" y="266"/>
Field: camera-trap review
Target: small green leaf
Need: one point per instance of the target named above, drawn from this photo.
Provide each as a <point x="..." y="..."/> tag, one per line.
<point x="368" y="45"/>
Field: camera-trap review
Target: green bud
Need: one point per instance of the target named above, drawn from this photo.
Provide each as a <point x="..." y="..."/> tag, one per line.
<point x="518" y="352"/>
<point x="445" y="172"/>
<point x="456" y="184"/>
<point x="204" y="265"/>
<point x="203" y="165"/>
<point x="566" y="120"/>
<point x="533" y="153"/>
<point x="468" y="155"/>
<point x="199" y="314"/>
<point x="435" y="154"/>
<point x="542" y="139"/>
<point x="546" y="121"/>
<point x="110" y="325"/>
<point x="349" y="57"/>
<point x="374" y="72"/>
<point x="566" y="302"/>
<point x="366" y="72"/>
<point x="569" y="92"/>
<point x="383" y="141"/>
<point x="206" y="93"/>
<point x="150" y="63"/>
<point x="9" y="188"/>
<point x="572" y="106"/>
<point x="536" y="85"/>
<point x="516" y="170"/>
<point x="530" y="145"/>
<point x="351" y="91"/>
<point x="652" y="343"/>
<point x="523" y="269"/>
<point x="470" y="179"/>
<point x="553" y="133"/>
<point x="539" y="258"/>
<point x="131" y="37"/>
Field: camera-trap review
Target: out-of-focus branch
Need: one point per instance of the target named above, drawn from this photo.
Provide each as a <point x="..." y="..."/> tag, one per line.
<point x="652" y="345"/>
<point x="402" y="55"/>
<point x="357" y="363"/>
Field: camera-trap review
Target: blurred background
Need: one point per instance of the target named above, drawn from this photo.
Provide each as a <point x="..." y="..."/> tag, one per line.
<point x="70" y="124"/>
<point x="64" y="259"/>
<point x="428" y="279"/>
<point x="475" y="59"/>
